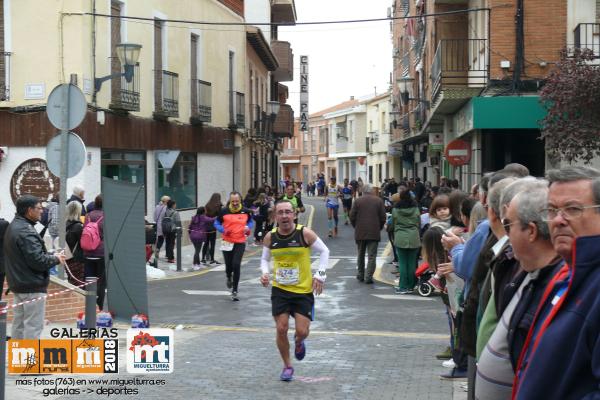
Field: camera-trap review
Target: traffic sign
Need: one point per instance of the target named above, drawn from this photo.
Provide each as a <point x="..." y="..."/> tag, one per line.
<point x="66" y="97"/>
<point x="458" y="152"/>
<point x="75" y="155"/>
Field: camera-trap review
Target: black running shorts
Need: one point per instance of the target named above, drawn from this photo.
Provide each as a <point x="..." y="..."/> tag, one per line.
<point x="347" y="203"/>
<point x="283" y="301"/>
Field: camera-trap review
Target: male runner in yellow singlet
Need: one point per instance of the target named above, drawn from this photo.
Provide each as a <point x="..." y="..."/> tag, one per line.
<point x="289" y="247"/>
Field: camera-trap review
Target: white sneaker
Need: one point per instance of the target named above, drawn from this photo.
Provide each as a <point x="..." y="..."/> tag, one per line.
<point x="449" y="364"/>
<point x="196" y="267"/>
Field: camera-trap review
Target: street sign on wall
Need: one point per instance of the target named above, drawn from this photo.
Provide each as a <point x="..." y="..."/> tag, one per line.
<point x="458" y="152"/>
<point x="304" y="93"/>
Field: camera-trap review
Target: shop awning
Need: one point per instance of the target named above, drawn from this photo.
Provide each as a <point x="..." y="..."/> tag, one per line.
<point x="502" y="112"/>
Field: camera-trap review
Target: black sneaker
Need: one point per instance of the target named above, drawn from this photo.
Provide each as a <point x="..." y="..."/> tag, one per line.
<point x="234" y="296"/>
<point x="454" y="374"/>
<point x="229" y="283"/>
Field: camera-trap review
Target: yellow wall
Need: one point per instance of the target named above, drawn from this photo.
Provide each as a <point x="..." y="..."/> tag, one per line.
<point x="37" y="46"/>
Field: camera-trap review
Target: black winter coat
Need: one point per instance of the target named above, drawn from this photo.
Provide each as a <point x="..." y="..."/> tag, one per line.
<point x="26" y="260"/>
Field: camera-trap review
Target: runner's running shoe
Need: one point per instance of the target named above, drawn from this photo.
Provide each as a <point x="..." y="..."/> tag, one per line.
<point x="287" y="374"/>
<point x="300" y="350"/>
<point x="234" y="296"/>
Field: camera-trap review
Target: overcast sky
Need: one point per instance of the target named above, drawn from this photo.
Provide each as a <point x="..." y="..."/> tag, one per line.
<point x="344" y="59"/>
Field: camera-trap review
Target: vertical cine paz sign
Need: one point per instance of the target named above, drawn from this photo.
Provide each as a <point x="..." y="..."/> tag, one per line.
<point x="304" y="93"/>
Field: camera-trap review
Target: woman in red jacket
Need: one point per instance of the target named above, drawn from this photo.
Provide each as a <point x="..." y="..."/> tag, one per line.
<point x="235" y="224"/>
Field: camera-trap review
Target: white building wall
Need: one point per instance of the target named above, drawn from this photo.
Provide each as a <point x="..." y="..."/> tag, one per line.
<point x="259" y="11"/>
<point x="214" y="176"/>
<point x="88" y="178"/>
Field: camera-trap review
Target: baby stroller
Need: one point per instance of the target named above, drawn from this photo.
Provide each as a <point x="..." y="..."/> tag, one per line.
<point x="424" y="274"/>
<point x="150" y="233"/>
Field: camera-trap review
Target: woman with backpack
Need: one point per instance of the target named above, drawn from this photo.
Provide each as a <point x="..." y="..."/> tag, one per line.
<point x="198" y="229"/>
<point x="76" y="263"/>
<point x="92" y="244"/>
<point x="170" y="223"/>
<point x="213" y="208"/>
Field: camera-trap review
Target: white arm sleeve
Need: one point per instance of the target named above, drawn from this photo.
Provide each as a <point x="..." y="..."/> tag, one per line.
<point x="319" y="247"/>
<point x="265" y="260"/>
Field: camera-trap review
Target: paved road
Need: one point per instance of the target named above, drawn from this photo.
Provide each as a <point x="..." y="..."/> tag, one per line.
<point x="366" y="342"/>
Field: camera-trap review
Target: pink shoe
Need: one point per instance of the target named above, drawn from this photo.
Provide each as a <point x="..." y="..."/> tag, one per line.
<point x="436" y="283"/>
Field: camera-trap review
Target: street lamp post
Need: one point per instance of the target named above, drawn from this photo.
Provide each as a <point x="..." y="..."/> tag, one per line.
<point x="404" y="85"/>
<point x="128" y="54"/>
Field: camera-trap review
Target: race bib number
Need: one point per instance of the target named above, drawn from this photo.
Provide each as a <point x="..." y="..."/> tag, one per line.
<point x="288" y="273"/>
<point x="226" y="246"/>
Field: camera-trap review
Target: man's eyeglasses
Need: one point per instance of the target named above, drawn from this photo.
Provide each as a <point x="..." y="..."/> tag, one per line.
<point x="567" y="212"/>
<point x="506" y="223"/>
<point x="285" y="212"/>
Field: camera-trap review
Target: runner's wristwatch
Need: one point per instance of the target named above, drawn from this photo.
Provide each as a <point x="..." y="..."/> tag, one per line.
<point x="320" y="276"/>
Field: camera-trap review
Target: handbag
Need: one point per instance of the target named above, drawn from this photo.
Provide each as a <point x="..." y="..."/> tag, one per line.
<point x="69" y="254"/>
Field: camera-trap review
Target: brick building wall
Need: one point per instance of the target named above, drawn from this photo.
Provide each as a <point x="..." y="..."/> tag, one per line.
<point x="60" y="308"/>
<point x="545" y="26"/>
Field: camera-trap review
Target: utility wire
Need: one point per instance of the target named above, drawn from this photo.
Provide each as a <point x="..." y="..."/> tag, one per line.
<point x="276" y="24"/>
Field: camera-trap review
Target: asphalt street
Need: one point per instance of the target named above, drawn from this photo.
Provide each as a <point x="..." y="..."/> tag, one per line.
<point x="365" y="343"/>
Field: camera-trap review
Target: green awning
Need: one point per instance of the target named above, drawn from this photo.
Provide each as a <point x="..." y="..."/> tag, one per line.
<point x="502" y="112"/>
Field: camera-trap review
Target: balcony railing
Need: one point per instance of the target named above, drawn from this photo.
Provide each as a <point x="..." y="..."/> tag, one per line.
<point x="201" y="101"/>
<point x="405" y="125"/>
<point x="166" y="94"/>
<point x="259" y="122"/>
<point x="459" y="63"/>
<point x="5" y="76"/>
<point x="587" y="36"/>
<point x="126" y="95"/>
<point x="237" y="110"/>
<point x="291" y="152"/>
<point x="284" y="123"/>
<point x="341" y="144"/>
<point x="285" y="57"/>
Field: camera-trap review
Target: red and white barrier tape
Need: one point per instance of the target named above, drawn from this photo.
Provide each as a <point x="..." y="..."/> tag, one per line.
<point x="83" y="284"/>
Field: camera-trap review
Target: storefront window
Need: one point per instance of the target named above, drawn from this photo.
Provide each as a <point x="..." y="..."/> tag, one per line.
<point x="180" y="183"/>
<point x="125" y="166"/>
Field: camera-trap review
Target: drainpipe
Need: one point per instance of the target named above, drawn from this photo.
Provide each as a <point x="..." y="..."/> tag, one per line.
<point x="94" y="51"/>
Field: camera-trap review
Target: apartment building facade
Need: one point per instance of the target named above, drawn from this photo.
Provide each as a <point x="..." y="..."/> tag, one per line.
<point x="175" y="126"/>
<point x="380" y="162"/>
<point x="269" y="63"/>
<point x="474" y="76"/>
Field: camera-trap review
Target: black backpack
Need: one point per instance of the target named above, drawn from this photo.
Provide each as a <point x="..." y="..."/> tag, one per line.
<point x="167" y="224"/>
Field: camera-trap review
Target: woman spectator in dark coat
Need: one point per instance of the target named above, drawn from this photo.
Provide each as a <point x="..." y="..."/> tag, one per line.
<point x="212" y="209"/>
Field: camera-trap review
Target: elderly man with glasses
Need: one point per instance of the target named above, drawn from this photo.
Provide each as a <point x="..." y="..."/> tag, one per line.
<point x="517" y="297"/>
<point x="561" y="354"/>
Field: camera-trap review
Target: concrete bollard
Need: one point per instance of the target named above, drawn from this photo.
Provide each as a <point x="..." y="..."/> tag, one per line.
<point x="90" y="302"/>
<point x="178" y="239"/>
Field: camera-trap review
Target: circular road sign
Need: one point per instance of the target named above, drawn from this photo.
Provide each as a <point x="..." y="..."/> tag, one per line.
<point x="458" y="152"/>
<point x="75" y="156"/>
<point x="57" y="105"/>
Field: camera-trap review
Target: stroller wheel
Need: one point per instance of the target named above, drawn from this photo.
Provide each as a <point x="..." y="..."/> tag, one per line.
<point x="425" y="289"/>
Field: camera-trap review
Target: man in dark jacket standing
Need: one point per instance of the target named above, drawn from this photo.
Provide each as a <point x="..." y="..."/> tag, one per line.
<point x="27" y="266"/>
<point x="368" y="218"/>
<point x="3" y="227"/>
